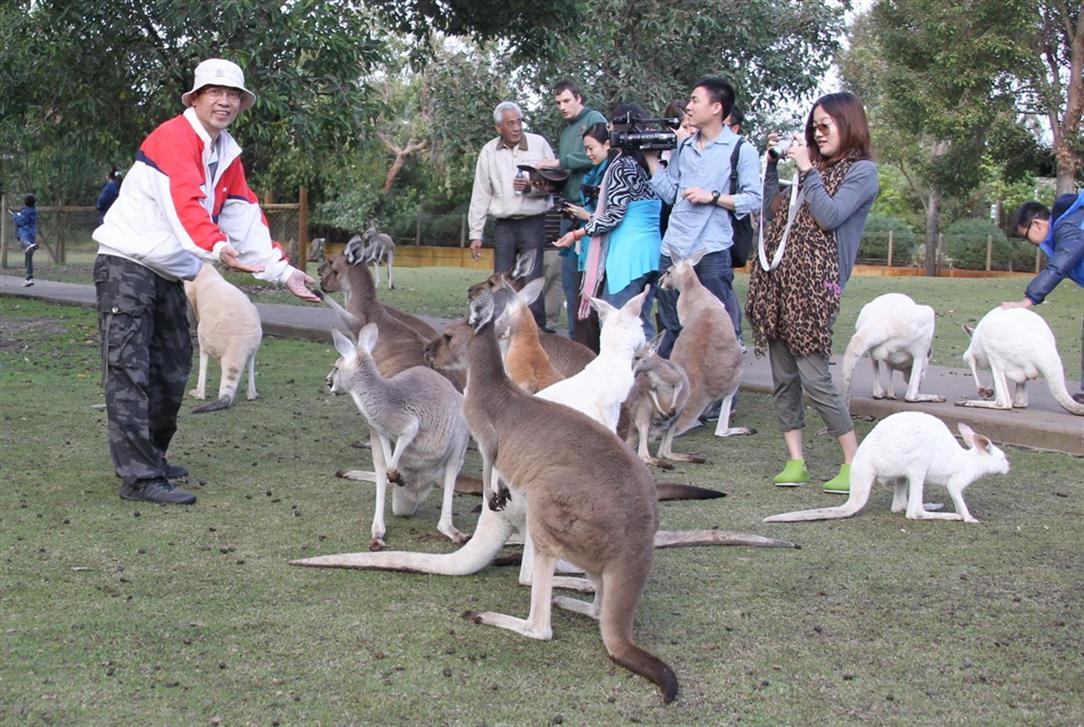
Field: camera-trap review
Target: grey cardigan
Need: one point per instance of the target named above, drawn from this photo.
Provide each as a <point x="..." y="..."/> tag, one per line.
<point x="845" y="214"/>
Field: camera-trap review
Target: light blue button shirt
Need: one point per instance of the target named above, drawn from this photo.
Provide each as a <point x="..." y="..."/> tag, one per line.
<point x="694" y="227"/>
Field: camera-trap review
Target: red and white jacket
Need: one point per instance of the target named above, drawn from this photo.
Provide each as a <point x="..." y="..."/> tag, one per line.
<point x="173" y="213"/>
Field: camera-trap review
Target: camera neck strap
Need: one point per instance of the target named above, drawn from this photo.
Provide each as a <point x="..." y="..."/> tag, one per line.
<point x="796" y="198"/>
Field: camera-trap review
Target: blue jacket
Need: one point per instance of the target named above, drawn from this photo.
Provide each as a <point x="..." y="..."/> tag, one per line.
<point x="1064" y="248"/>
<point x="26" y="224"/>
<point x="107" y="198"/>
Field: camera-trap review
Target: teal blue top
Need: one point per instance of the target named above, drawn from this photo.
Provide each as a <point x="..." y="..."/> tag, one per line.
<point x="634" y="245"/>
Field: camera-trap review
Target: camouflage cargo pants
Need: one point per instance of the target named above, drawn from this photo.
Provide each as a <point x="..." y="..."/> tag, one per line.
<point x="146" y="357"/>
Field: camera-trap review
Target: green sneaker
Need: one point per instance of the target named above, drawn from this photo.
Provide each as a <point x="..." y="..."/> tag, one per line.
<point x="841" y="483"/>
<point x="793" y="475"/>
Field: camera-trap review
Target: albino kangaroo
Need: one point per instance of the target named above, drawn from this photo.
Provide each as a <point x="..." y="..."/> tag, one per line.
<point x="525" y="361"/>
<point x="909" y="450"/>
<point x="228" y="328"/>
<point x="403" y="337"/>
<point x="1016" y="345"/>
<point x="658" y="396"/>
<point x="897" y="332"/>
<point x="706" y="348"/>
<point x="418" y="409"/>
<point x="566" y="356"/>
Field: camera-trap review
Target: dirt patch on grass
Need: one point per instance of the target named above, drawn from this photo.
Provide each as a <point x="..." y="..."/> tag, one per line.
<point x="15" y="333"/>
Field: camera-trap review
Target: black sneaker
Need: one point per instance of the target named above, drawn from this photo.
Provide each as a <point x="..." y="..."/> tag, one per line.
<point x="175" y="472"/>
<point x="160" y="491"/>
<point x="711" y="413"/>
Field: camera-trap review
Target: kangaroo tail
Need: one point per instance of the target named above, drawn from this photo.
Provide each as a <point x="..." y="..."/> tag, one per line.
<point x="677" y="491"/>
<point x="1055" y="380"/>
<point x="694" y="538"/>
<point x="620" y="598"/>
<point x="861" y="482"/>
<point x="860" y="343"/>
<point x="216" y="405"/>
<point x="489" y="536"/>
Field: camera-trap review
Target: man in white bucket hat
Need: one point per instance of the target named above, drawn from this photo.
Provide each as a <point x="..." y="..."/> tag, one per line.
<point x="184" y="202"/>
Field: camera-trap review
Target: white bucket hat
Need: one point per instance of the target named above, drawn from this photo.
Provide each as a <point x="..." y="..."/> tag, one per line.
<point x="219" y="72"/>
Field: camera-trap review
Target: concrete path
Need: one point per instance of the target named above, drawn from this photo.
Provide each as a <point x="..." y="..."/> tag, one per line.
<point x="1043" y="425"/>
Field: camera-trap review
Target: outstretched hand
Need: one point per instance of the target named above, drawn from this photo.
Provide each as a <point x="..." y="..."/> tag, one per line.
<point x="232" y="259"/>
<point x="298" y="284"/>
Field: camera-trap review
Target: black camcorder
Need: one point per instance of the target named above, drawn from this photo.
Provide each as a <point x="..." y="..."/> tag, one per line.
<point x="640" y="134"/>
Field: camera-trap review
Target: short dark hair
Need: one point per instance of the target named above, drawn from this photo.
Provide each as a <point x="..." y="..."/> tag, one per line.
<point x="1025" y="214"/>
<point x="675" y="108"/>
<point x="737" y="118"/>
<point x="719" y="91"/>
<point x="30" y="200"/>
<point x="598" y="131"/>
<point x="567" y="85"/>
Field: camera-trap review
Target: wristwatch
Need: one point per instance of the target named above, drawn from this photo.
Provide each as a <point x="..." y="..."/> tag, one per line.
<point x="715" y="194"/>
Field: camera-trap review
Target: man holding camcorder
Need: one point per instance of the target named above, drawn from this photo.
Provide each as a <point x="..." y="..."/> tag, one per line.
<point x="694" y="182"/>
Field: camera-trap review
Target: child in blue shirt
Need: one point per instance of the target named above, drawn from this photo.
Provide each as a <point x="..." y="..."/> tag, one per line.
<point x="26" y="231"/>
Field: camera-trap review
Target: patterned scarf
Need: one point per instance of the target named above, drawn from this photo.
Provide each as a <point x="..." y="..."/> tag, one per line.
<point x="595" y="268"/>
<point x="797" y="302"/>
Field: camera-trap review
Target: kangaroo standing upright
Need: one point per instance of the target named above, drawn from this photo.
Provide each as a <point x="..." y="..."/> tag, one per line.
<point x="595" y="506"/>
<point x="228" y="328"/>
<point x="660" y="393"/>
<point x="1016" y="345"/>
<point x="421" y="412"/>
<point x="909" y="450"/>
<point x="898" y="333"/>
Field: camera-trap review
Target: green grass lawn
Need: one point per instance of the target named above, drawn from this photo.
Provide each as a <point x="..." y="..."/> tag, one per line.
<point x="124" y="613"/>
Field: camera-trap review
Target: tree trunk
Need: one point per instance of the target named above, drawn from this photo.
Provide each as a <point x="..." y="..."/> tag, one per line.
<point x="933" y="216"/>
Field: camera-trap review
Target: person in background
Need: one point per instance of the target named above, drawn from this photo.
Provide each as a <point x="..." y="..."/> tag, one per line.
<point x="673" y="110"/>
<point x="1059" y="233"/>
<point x="624" y="228"/>
<point x="109" y="193"/>
<point x="26" y="232"/>
<point x="185" y="203"/>
<point x="502" y="191"/>
<point x="793" y="306"/>
<point x="563" y="264"/>
<point x="697" y="181"/>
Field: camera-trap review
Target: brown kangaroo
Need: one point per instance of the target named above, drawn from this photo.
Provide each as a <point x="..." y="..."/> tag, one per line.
<point x="525" y="361"/>
<point x="598" y="511"/>
<point x="403" y="337"/>
<point x="566" y="356"/>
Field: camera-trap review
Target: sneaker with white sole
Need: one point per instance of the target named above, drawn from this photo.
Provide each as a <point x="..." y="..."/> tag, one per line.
<point x="28" y="282"/>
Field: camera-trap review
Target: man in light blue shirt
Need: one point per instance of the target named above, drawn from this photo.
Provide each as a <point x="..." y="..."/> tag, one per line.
<point x="696" y="181"/>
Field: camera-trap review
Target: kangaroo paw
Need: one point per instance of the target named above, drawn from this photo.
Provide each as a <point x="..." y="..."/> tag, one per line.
<point x="500" y="500"/>
<point x="395" y="478"/>
<point x="986" y="393"/>
<point x="660" y="463"/>
<point x="692" y="458"/>
<point x="472" y="616"/>
<point x="376" y="544"/>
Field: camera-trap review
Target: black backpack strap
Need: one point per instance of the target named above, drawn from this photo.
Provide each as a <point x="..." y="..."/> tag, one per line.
<point x="734" y="167"/>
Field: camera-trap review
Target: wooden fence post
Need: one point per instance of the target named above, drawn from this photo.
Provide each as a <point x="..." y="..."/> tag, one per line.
<point x="303" y="228"/>
<point x="462" y="231"/>
<point x="989" y="250"/>
<point x="891" y="243"/>
<point x="418" y="228"/>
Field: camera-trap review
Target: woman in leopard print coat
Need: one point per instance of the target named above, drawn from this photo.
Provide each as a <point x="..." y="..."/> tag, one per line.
<point x="792" y="307"/>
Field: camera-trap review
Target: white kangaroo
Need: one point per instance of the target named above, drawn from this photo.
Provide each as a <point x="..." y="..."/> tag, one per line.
<point x="228" y="328"/>
<point x="422" y="412"/>
<point x="910" y="450"/>
<point x="1016" y="345"/>
<point x="898" y="333"/>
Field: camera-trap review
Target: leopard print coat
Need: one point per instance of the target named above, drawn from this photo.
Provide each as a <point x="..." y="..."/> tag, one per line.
<point x="797" y="302"/>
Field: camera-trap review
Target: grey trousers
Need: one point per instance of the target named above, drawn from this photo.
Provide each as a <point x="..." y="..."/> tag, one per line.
<point x="794" y="374"/>
<point x="513" y="236"/>
<point x="146" y="358"/>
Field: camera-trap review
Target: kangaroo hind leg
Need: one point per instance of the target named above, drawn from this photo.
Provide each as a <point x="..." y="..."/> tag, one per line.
<point x="538" y="624"/>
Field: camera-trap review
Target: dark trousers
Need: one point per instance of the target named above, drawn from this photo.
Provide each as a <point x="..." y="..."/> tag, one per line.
<point x="715" y="273"/>
<point x="146" y="357"/>
<point x="517" y="235"/>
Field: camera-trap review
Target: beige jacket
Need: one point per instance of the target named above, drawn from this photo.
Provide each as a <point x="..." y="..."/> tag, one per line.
<point x="493" y="174"/>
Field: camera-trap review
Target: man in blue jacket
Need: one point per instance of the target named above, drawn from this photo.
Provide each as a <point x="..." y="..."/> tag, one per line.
<point x="1059" y="234"/>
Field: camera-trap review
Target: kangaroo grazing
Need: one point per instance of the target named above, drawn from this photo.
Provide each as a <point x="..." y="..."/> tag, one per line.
<point x="418" y="410"/>
<point x="910" y="450"/>
<point x="228" y="328"/>
<point x="659" y="394"/>
<point x="898" y="333"/>
<point x="707" y="349"/>
<point x="1016" y="345"/>
<point x="566" y="356"/>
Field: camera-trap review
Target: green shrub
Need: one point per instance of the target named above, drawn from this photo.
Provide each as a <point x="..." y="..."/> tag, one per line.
<point x="874" y="245"/>
<point x="964" y="242"/>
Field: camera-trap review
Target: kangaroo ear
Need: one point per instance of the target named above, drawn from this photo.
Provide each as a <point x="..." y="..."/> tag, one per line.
<point x="982" y="443"/>
<point x="696" y="257"/>
<point x="654" y="344"/>
<point x="343" y="345"/>
<point x="367" y="337"/>
<point x="635" y="305"/>
<point x="969" y="435"/>
<point x="968" y="329"/>
<point x="531" y="290"/>
<point x="524" y="264"/>
<point x="604" y="309"/>
<point x="481" y="311"/>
